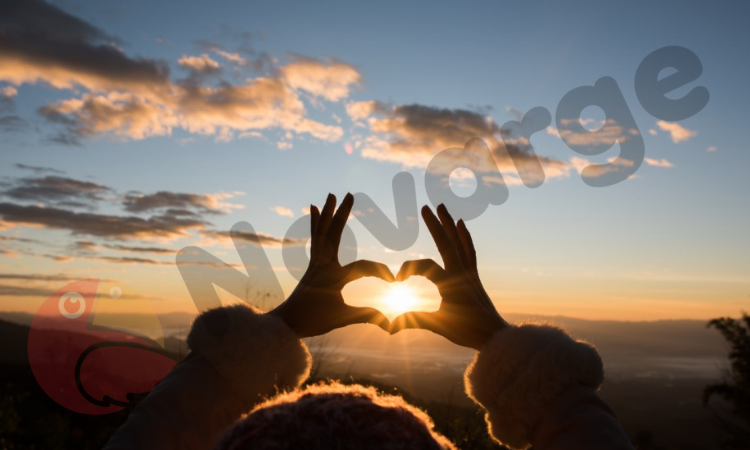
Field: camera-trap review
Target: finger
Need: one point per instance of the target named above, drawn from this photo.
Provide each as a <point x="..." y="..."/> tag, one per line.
<point x="442" y="241"/>
<point x="423" y="267"/>
<point x="321" y="230"/>
<point x="468" y="246"/>
<point x="339" y="221"/>
<point x="471" y="253"/>
<point x="449" y="225"/>
<point x="366" y="268"/>
<point x="416" y="320"/>
<point x="326" y="215"/>
<point x="314" y="219"/>
<point x="353" y="315"/>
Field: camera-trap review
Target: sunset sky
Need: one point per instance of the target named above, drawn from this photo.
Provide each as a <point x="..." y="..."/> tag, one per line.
<point x="133" y="129"/>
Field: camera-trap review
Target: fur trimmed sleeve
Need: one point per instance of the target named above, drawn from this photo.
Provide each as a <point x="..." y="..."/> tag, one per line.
<point x="223" y="377"/>
<point x="538" y="386"/>
<point x="257" y="353"/>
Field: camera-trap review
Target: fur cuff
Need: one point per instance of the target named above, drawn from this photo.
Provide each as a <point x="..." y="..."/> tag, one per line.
<point x="521" y="370"/>
<point x="257" y="353"/>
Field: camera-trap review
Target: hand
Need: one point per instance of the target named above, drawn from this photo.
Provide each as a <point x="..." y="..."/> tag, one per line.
<point x="316" y="306"/>
<point x="466" y="316"/>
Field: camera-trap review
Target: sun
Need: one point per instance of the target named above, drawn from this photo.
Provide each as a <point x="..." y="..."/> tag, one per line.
<point x="400" y="299"/>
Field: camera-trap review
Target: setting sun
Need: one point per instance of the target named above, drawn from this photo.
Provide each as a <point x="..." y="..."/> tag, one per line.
<point x="400" y="299"/>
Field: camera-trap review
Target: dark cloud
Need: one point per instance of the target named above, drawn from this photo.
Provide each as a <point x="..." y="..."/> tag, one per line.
<point x="39" y="169"/>
<point x="23" y="291"/>
<point x="125" y="248"/>
<point x="58" y="190"/>
<point x="170" y="200"/>
<point x="255" y="238"/>
<point x="39" y="41"/>
<point x="18" y="291"/>
<point x="19" y="239"/>
<point x="67" y="138"/>
<point x="58" y="258"/>
<point x="412" y="134"/>
<point x="35" y="277"/>
<point x="181" y="212"/>
<point x="85" y="246"/>
<point x="131" y="260"/>
<point x="12" y="124"/>
<point x="110" y="226"/>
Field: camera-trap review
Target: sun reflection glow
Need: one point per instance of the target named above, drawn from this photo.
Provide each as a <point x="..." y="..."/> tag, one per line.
<point x="400" y="299"/>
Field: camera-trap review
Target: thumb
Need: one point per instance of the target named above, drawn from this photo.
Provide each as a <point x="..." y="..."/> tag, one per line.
<point x="353" y="315"/>
<point x="417" y="320"/>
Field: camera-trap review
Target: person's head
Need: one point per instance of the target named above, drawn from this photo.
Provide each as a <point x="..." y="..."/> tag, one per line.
<point x="331" y="417"/>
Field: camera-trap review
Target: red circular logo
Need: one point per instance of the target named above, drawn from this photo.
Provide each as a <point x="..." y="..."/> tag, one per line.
<point x="90" y="360"/>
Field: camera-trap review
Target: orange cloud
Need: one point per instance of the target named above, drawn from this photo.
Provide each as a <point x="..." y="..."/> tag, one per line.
<point x="202" y="63"/>
<point x="658" y="163"/>
<point x="677" y="132"/>
<point x="331" y="81"/>
<point x="282" y="211"/>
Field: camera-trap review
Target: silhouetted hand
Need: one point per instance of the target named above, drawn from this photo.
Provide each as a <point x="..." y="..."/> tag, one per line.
<point x="316" y="306"/>
<point x="466" y="316"/>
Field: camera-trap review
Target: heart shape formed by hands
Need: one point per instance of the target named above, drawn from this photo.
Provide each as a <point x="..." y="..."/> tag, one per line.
<point x="466" y="315"/>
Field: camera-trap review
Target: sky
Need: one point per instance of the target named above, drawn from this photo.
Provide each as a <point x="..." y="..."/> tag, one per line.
<point x="131" y="130"/>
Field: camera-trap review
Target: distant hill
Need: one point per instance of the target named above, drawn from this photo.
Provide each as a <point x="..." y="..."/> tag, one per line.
<point x="668" y="346"/>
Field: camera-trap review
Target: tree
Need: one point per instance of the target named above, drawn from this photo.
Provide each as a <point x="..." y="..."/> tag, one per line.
<point x="735" y="389"/>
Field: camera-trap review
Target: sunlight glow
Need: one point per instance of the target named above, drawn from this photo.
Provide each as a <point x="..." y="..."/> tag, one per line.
<point x="400" y="299"/>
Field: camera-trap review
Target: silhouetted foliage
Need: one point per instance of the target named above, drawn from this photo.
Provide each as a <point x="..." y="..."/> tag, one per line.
<point x="735" y="389"/>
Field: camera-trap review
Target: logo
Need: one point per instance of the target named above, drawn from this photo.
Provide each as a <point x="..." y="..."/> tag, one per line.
<point x="89" y="358"/>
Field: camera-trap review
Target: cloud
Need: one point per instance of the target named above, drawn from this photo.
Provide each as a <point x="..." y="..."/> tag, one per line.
<point x="178" y="202"/>
<point x="658" y="163"/>
<point x="12" y="124"/>
<point x="230" y="56"/>
<point x="599" y="170"/>
<point x="35" y="277"/>
<point x="135" y="98"/>
<point x="85" y="246"/>
<point x="264" y="239"/>
<point x="361" y="110"/>
<point x="125" y="115"/>
<point x="8" y="92"/>
<point x="712" y="148"/>
<point x="8" y="253"/>
<point x="200" y="64"/>
<point x="109" y="226"/>
<point x="282" y="211"/>
<point x="131" y="260"/>
<point x="41" y="43"/>
<point x="18" y="239"/>
<point x="677" y="132"/>
<point x="155" y="250"/>
<point x="22" y="291"/>
<point x="412" y="135"/>
<point x="58" y="190"/>
<point x="331" y="80"/>
<point x="607" y="132"/>
<point x="18" y="291"/>
<point x="6" y="97"/>
<point x="39" y="169"/>
<point x="58" y="258"/>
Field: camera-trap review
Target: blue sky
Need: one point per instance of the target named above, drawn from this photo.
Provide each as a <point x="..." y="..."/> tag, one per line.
<point x="670" y="243"/>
